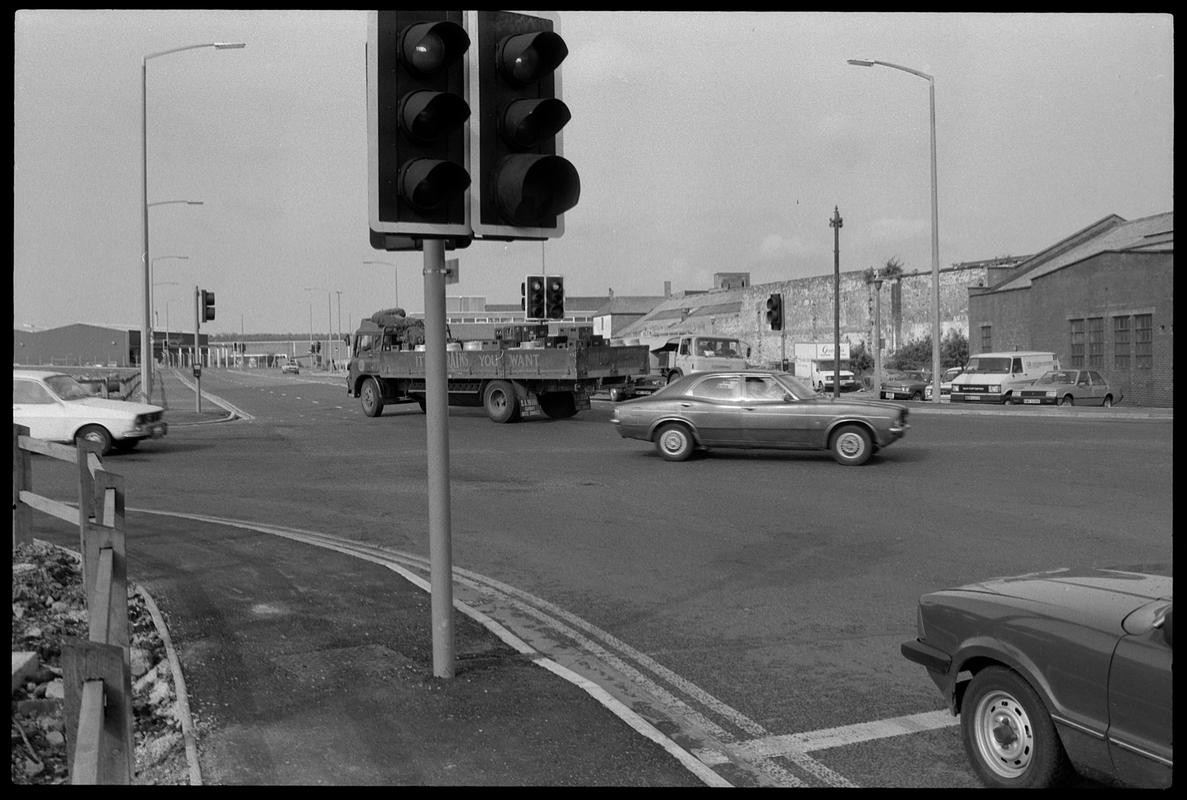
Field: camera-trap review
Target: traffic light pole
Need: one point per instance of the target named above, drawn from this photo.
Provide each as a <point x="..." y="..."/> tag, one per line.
<point x="197" y="350"/>
<point x="437" y="430"/>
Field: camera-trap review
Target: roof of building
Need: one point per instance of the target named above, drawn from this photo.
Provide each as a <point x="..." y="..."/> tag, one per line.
<point x="1111" y="234"/>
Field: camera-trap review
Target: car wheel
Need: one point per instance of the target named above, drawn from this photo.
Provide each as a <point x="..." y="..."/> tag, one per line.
<point x="96" y="434"/>
<point x="675" y="442"/>
<point x="1008" y="734"/>
<point x="1067" y="400"/>
<point x="1108" y="401"/>
<point x="372" y="398"/>
<point x="500" y="402"/>
<point x="851" y="445"/>
<point x="916" y="396"/>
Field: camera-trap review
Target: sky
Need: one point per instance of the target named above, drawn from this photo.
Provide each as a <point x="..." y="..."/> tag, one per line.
<point x="705" y="142"/>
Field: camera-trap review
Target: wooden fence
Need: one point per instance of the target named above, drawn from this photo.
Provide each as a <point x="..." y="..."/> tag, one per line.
<point x="96" y="673"/>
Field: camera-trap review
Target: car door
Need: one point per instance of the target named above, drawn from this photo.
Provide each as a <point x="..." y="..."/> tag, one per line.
<point x="1141" y="709"/>
<point x="713" y="405"/>
<point x="1098" y="388"/>
<point x="765" y="417"/>
<point x="35" y="406"/>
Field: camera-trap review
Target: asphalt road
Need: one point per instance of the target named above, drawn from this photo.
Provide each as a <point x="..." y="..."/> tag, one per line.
<point x="752" y="602"/>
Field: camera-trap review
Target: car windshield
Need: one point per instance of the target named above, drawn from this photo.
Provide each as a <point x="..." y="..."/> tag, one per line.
<point x="987" y="365"/>
<point x="795" y="385"/>
<point x="67" y="388"/>
<point x="1060" y="376"/>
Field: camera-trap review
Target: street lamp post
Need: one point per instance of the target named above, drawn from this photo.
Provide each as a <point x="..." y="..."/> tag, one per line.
<point x="395" y="274"/>
<point x="329" y="316"/>
<point x="339" y="339"/>
<point x="878" y="335"/>
<point x="935" y="220"/>
<point x="146" y="327"/>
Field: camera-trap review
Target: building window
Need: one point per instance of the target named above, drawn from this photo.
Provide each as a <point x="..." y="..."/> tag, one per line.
<point x="986" y="338"/>
<point x="1121" y="343"/>
<point x="1143" y="340"/>
<point x="1077" y="342"/>
<point x="1096" y="342"/>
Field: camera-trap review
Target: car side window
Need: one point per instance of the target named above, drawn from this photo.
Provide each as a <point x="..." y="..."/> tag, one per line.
<point x="719" y="388"/>
<point x="30" y="392"/>
<point x="763" y="388"/>
<point x="1096" y="378"/>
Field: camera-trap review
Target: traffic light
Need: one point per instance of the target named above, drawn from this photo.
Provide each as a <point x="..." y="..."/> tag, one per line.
<point x="534" y="296"/>
<point x="207" y="305"/>
<point x="522" y="183"/>
<point x="554" y="299"/>
<point x="416" y="128"/>
<point x="775" y="311"/>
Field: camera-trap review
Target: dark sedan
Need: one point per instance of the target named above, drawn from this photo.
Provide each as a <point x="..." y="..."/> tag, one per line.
<point x="1071" y="387"/>
<point x="1057" y="673"/>
<point x="757" y="409"/>
<point x="909" y="385"/>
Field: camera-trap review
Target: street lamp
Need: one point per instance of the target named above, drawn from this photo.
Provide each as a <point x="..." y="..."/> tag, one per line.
<point x="329" y="316"/>
<point x="146" y="327"/>
<point x="935" y="221"/>
<point x="394" y="273"/>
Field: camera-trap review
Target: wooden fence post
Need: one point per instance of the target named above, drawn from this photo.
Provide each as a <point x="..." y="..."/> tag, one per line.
<point x="104" y="732"/>
<point x="22" y="480"/>
<point x="86" y="493"/>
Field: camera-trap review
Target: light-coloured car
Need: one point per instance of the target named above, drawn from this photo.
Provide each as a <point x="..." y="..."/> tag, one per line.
<point x="765" y="409"/>
<point x="946" y="378"/>
<point x="57" y="408"/>
<point x="290" y="368"/>
<point x="1071" y="387"/>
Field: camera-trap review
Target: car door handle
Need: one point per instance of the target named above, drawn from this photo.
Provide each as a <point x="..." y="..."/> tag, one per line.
<point x="686" y="405"/>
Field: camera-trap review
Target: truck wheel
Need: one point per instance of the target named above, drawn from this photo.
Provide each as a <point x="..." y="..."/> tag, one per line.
<point x="372" y="398"/>
<point x="1008" y="734"/>
<point x="500" y="402"/>
<point x="851" y="445"/>
<point x="558" y="405"/>
<point x="674" y="375"/>
<point x="674" y="442"/>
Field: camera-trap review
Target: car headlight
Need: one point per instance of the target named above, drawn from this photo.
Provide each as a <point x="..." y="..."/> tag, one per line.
<point x="1051" y="394"/>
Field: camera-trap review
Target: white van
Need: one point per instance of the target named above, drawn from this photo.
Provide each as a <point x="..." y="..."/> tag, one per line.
<point x="998" y="377"/>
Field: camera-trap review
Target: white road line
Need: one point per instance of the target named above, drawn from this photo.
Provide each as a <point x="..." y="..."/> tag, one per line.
<point x="773" y="746"/>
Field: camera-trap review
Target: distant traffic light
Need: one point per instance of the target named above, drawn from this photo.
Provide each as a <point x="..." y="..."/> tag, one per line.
<point x="555" y="297"/>
<point x="775" y="311"/>
<point x="207" y="305"/>
<point x="416" y="126"/>
<point x="522" y="183"/>
<point x="535" y="298"/>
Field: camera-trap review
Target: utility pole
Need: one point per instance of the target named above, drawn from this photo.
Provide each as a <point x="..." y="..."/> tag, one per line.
<point x="835" y="223"/>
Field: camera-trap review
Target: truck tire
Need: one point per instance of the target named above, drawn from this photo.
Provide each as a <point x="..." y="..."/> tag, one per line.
<point x="371" y="397"/>
<point x="558" y="405"/>
<point x="674" y="375"/>
<point x="501" y="402"/>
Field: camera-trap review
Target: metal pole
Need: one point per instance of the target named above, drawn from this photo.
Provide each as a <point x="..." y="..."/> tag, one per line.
<point x="935" y="254"/>
<point x="437" y="430"/>
<point x="878" y="337"/>
<point x="146" y="325"/>
<point x="197" y="350"/>
<point x="339" y="342"/>
<point x="329" y="328"/>
<point x="835" y="223"/>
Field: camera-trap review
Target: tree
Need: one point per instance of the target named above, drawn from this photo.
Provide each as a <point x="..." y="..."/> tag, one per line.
<point x="954" y="352"/>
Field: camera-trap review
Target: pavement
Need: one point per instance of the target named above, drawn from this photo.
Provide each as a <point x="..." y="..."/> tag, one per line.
<point x="316" y="667"/>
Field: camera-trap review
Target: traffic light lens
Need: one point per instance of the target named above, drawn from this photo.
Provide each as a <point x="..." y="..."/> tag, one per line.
<point x="426" y="116"/>
<point x="429" y="184"/>
<point x="428" y="47"/>
<point x="526" y="123"/>
<point x="527" y="57"/>
<point x="532" y="189"/>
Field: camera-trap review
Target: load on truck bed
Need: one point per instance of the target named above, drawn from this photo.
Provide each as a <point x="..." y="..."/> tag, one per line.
<point x="521" y="373"/>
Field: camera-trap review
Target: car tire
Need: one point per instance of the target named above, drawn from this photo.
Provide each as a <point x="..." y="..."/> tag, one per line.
<point x="917" y="396"/>
<point x="851" y="445"/>
<point x="675" y="442"/>
<point x="500" y="402"/>
<point x="1067" y="400"/>
<point x="96" y="434"/>
<point x="371" y="397"/>
<point x="1108" y="401"/>
<point x="1008" y="735"/>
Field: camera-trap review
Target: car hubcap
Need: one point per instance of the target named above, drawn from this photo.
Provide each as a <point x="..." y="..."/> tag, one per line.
<point x="672" y="442"/>
<point x="850" y="445"/>
<point x="1004" y="735"/>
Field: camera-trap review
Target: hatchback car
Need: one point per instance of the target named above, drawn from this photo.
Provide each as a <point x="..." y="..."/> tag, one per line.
<point x="1057" y="673"/>
<point x="757" y="409"/>
<point x="57" y="408"/>
<point x="290" y="368"/>
<point x="1068" y="387"/>
<point x="909" y="385"/>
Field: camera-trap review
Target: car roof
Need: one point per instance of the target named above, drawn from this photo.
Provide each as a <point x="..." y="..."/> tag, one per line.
<point x="34" y="373"/>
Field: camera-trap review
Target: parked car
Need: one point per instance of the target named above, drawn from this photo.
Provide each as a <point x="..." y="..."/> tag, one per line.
<point x="1057" y="673"/>
<point x="290" y="368"/>
<point x="755" y="408"/>
<point x="946" y="378"/>
<point x="57" y="408"/>
<point x="1067" y="387"/>
<point x="909" y="385"/>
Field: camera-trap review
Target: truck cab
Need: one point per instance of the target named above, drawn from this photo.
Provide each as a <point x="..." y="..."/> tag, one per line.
<point x="684" y="355"/>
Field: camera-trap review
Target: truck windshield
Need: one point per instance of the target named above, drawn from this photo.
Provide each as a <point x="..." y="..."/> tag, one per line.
<point x="719" y="348"/>
<point x="828" y="365"/>
<point x="987" y="365"/>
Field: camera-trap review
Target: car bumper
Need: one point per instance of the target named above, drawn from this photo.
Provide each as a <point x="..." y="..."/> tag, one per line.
<point x="151" y="430"/>
<point x="938" y="665"/>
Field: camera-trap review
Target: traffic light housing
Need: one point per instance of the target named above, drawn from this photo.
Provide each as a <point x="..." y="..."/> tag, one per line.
<point x="207" y="305"/>
<point x="535" y="302"/>
<point x="416" y="128"/>
<point x="554" y="297"/>
<point x="775" y="311"/>
<point x="522" y="183"/>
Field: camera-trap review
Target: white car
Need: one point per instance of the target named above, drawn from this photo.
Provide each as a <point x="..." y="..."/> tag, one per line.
<point x="57" y="408"/>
